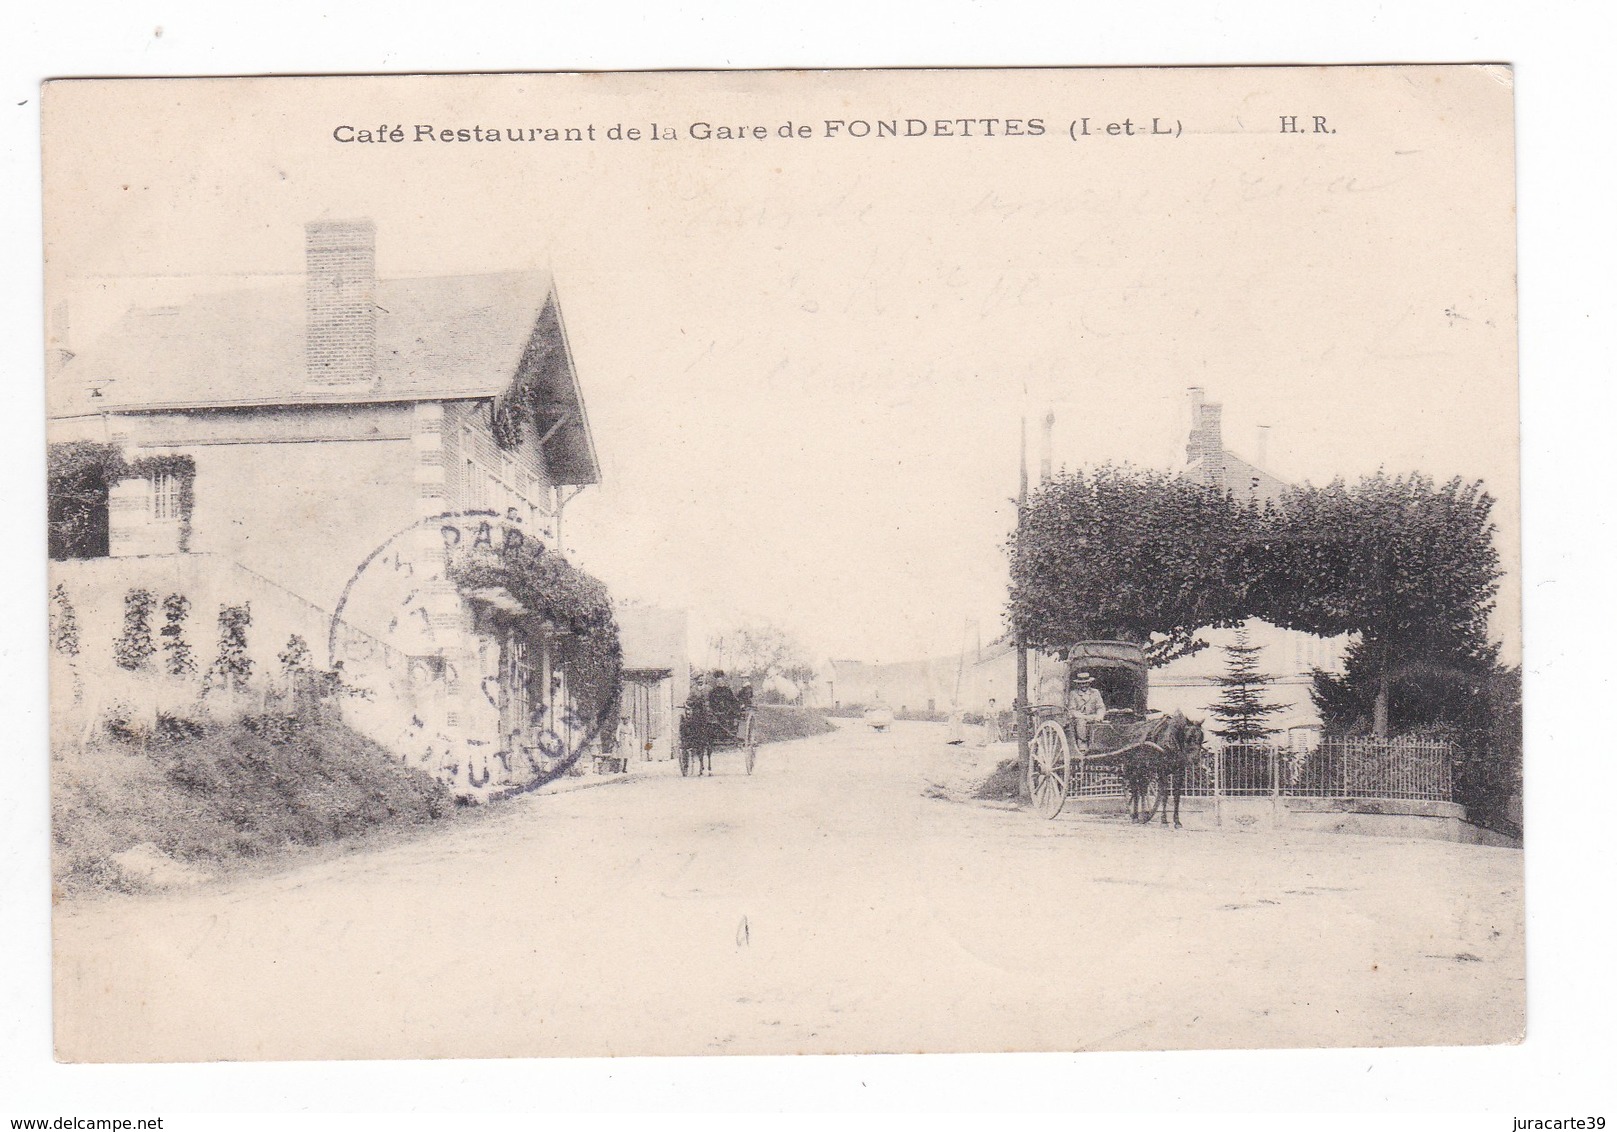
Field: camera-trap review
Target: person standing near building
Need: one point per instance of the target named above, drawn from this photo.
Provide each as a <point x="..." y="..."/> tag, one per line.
<point x="628" y="742"/>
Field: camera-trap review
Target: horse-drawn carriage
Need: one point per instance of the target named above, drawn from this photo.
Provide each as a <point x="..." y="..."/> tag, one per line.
<point x="706" y="726"/>
<point x="1150" y="751"/>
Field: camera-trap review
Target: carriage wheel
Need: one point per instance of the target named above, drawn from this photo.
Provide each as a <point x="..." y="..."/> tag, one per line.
<point x="751" y="743"/>
<point x="1049" y="769"/>
<point x="684" y="762"/>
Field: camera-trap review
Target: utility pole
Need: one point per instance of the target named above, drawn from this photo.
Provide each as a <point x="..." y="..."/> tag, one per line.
<point x="1046" y="467"/>
<point x="1023" y="757"/>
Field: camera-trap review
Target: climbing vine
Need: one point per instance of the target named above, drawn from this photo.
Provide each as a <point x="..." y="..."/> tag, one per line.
<point x="134" y="646"/>
<point x="79" y="478"/>
<point x="524" y="400"/>
<point x="232" y="667"/>
<point x="177" y="657"/>
<point x="65" y="624"/>
<point x="296" y="657"/>
<point x="78" y="474"/>
<point x="184" y="470"/>
<point x="563" y="607"/>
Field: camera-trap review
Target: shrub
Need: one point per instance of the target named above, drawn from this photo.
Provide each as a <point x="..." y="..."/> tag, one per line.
<point x="776" y="723"/>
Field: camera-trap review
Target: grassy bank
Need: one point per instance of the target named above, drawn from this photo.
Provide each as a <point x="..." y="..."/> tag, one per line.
<point x="775" y="723"/>
<point x="1003" y="785"/>
<point x="197" y="796"/>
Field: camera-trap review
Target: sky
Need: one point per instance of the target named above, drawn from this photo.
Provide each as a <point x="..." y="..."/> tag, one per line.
<point x="806" y="362"/>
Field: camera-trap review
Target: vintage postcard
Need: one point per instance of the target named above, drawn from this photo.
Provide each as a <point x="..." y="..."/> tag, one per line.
<point x="783" y="562"/>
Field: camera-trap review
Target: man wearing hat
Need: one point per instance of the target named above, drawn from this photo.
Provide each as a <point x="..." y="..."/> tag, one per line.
<point x="1085" y="705"/>
<point x="723" y="708"/>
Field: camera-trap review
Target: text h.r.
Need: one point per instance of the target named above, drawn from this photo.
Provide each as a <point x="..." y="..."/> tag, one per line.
<point x="1288" y="125"/>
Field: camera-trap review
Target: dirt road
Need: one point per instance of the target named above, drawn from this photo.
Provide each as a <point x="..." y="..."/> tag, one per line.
<point x="827" y="903"/>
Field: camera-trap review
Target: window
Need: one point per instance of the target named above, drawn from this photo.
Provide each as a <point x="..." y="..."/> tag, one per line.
<point x="165" y="496"/>
<point x="476" y="491"/>
<point x="527" y="487"/>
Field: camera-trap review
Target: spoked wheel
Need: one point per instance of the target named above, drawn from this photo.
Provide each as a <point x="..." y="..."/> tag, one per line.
<point x="750" y="741"/>
<point x="1049" y="769"/>
<point x="684" y="762"/>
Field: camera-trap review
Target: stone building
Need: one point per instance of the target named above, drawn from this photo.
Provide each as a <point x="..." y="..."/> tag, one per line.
<point x="323" y="451"/>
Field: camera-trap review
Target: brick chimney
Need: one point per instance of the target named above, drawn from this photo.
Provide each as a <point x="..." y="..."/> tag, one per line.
<point x="340" y="304"/>
<point x="1206" y="438"/>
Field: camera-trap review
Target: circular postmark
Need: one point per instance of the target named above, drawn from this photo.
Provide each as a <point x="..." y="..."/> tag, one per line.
<point x="473" y="656"/>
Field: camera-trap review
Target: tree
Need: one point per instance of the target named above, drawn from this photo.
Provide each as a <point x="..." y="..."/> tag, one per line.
<point x="1478" y="709"/>
<point x="1242" y="709"/>
<point x="79" y="475"/>
<point x="1129" y="554"/>
<point x="759" y="651"/>
<point x="1409" y="566"/>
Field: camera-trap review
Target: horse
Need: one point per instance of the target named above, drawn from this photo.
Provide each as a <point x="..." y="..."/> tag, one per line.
<point x="1167" y="745"/>
<point x="696" y="735"/>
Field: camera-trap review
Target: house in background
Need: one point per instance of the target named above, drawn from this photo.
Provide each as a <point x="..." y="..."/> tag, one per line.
<point x="321" y="452"/>
<point x="656" y="674"/>
<point x="1190" y="684"/>
<point x="972" y="680"/>
<point x="1208" y="461"/>
<point x="918" y="686"/>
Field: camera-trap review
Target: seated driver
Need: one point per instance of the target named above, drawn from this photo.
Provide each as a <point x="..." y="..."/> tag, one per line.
<point x="723" y="705"/>
<point x="1085" y="705"/>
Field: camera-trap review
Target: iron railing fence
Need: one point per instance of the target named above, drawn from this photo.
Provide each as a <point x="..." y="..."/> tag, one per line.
<point x="1091" y="781"/>
<point x="1378" y="768"/>
<point x="1397" y="768"/>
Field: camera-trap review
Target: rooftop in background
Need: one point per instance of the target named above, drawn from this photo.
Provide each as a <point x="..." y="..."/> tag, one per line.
<point x="1208" y="461"/>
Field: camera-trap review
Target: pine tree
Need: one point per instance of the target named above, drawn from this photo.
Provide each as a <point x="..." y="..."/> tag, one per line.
<point x="1242" y="710"/>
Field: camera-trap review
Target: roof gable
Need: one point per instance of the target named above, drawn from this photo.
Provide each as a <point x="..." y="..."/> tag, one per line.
<point x="437" y="338"/>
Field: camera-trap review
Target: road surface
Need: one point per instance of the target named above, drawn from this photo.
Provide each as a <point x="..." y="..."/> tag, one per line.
<point x="831" y="902"/>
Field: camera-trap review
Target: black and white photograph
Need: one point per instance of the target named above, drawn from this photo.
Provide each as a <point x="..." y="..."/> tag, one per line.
<point x="784" y="562"/>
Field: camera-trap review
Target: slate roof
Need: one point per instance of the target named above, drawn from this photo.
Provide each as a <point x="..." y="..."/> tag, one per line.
<point x="437" y="338"/>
